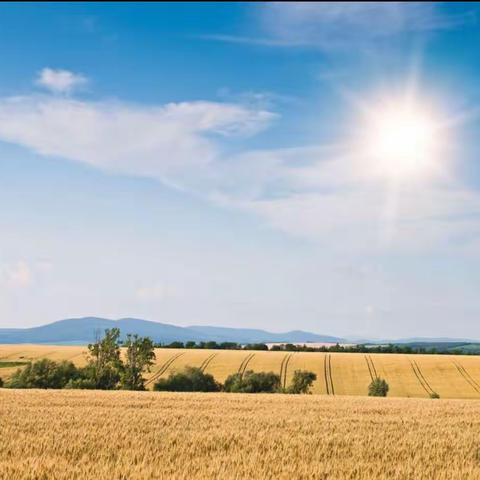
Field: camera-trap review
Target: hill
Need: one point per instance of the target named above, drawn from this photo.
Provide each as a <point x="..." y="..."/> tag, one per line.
<point x="77" y="331"/>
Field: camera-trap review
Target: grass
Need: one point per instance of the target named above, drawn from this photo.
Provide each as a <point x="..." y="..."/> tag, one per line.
<point x="448" y="375"/>
<point x="64" y="435"/>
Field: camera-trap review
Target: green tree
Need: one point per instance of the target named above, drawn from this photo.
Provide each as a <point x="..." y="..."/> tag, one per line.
<point x="140" y="356"/>
<point x="253" y="382"/>
<point x="256" y="346"/>
<point x="378" y="388"/>
<point x="301" y="382"/>
<point x="105" y="365"/>
<point x="44" y="373"/>
<point x="190" y="379"/>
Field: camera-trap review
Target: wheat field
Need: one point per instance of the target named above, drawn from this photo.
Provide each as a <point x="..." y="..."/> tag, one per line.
<point x="69" y="435"/>
<point x="337" y="373"/>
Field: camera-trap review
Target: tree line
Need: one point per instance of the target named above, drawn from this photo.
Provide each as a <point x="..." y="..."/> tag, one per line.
<point x="290" y="347"/>
<point x="108" y="369"/>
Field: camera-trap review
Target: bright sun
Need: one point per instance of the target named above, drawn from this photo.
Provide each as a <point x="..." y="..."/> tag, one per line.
<point x="402" y="141"/>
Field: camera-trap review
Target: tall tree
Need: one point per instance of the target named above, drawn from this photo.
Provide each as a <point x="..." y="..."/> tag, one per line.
<point x="105" y="363"/>
<point x="140" y="356"/>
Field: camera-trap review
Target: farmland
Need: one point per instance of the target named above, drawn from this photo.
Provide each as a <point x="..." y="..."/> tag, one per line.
<point x="137" y="435"/>
<point x="337" y="373"/>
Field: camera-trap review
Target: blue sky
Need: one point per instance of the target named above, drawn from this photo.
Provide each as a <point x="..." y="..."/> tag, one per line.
<point x="218" y="164"/>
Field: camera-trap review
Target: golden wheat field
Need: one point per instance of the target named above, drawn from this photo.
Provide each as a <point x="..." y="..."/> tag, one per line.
<point x="337" y="373"/>
<point x="69" y="435"/>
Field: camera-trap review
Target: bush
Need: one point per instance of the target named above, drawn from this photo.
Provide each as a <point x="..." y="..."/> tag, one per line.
<point x="190" y="379"/>
<point x="1" y="382"/>
<point x="301" y="382"/>
<point x="434" y="395"/>
<point x="251" y="382"/>
<point x="378" y="388"/>
<point x="44" y="373"/>
<point x="81" y="384"/>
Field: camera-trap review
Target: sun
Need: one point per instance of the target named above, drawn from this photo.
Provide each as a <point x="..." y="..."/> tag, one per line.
<point x="402" y="140"/>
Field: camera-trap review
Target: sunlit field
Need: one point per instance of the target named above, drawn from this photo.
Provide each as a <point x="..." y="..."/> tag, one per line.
<point x="139" y="435"/>
<point x="337" y="373"/>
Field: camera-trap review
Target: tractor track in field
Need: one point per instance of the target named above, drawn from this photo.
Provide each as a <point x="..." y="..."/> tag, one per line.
<point x="284" y="368"/>
<point x="207" y="361"/>
<point x="243" y="366"/>
<point x="165" y="366"/>
<point x="467" y="377"/>
<point x="421" y="379"/>
<point x="327" y="365"/>
<point x="371" y="367"/>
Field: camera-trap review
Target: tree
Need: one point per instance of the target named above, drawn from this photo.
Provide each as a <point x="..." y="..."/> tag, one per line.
<point x="44" y="373"/>
<point x="1" y="382"/>
<point x="190" y="379"/>
<point x="256" y="346"/>
<point x="378" y="388"/>
<point x="105" y="364"/>
<point x="139" y="358"/>
<point x="301" y="382"/>
<point x="253" y="382"/>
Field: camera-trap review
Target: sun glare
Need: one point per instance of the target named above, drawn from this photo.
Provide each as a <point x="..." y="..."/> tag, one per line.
<point x="402" y="141"/>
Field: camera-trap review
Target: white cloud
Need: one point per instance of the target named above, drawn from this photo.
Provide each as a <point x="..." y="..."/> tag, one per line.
<point x="60" y="81"/>
<point x="156" y="141"/>
<point x="19" y="275"/>
<point x="329" y="195"/>
<point x="340" y="25"/>
<point x="325" y="193"/>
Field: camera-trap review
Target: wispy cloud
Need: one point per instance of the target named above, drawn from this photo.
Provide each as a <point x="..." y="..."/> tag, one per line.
<point x="340" y="25"/>
<point x="155" y="141"/>
<point x="18" y="275"/>
<point x="60" y="81"/>
<point x="325" y="193"/>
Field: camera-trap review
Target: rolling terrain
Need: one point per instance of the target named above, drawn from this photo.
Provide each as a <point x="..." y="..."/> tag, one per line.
<point x="337" y="373"/>
<point x="77" y="331"/>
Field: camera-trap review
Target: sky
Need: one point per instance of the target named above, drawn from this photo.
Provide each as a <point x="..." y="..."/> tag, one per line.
<point x="276" y="166"/>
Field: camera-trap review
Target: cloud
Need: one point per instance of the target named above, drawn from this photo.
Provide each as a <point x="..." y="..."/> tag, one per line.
<point x="60" y="81"/>
<point x="19" y="275"/>
<point x="329" y="195"/>
<point x="326" y="193"/>
<point x="340" y="25"/>
<point x="155" y="141"/>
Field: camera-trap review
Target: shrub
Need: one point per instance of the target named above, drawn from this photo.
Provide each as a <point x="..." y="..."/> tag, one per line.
<point x="83" y="383"/>
<point x="301" y="382"/>
<point x="190" y="379"/>
<point x="434" y="395"/>
<point x="378" y="388"/>
<point x="251" y="382"/>
<point x="44" y="373"/>
<point x="1" y="382"/>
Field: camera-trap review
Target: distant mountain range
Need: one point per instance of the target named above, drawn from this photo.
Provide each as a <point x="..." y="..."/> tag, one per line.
<point x="83" y="330"/>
